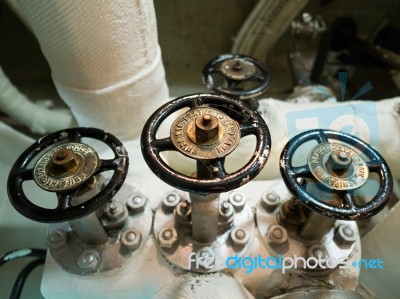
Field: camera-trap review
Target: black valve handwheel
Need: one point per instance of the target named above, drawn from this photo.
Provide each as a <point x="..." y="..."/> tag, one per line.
<point x="250" y="123"/>
<point x="349" y="209"/>
<point x="65" y="210"/>
<point x="237" y="70"/>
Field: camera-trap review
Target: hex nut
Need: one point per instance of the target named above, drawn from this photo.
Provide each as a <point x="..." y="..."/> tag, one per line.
<point x="57" y="239"/>
<point x="237" y="200"/>
<point x="131" y="239"/>
<point x="115" y="211"/>
<point x="183" y="211"/>
<point x="277" y="235"/>
<point x="136" y="203"/>
<point x="90" y="260"/>
<point x="239" y="236"/>
<point x="270" y="201"/>
<point x="344" y="236"/>
<point x="170" y="201"/>
<point x="167" y="237"/>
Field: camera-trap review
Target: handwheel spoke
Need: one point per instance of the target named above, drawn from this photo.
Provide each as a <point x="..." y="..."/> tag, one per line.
<point x="233" y="84"/>
<point x="374" y="166"/>
<point x="348" y="200"/>
<point x="218" y="168"/>
<point x="247" y="128"/>
<point x="24" y="174"/>
<point x="322" y="137"/>
<point x="74" y="136"/>
<point x="301" y="172"/>
<point x="107" y="164"/>
<point x="65" y="199"/>
<point x="195" y="102"/>
<point x="164" y="144"/>
<point x="257" y="78"/>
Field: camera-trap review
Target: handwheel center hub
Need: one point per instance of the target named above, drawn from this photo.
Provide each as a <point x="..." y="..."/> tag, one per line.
<point x="65" y="167"/>
<point x="337" y="166"/>
<point x="238" y="69"/>
<point x="205" y="133"/>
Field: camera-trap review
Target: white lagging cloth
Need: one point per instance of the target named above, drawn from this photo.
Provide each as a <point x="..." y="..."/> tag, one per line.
<point x="105" y="59"/>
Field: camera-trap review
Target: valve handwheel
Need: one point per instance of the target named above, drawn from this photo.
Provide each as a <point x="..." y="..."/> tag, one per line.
<point x="64" y="169"/>
<point x="338" y="167"/>
<point x="237" y="71"/>
<point x="205" y="133"/>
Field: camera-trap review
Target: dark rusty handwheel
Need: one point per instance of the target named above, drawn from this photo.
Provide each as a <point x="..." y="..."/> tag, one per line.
<point x="348" y="172"/>
<point x="66" y="182"/>
<point x="249" y="123"/>
<point x="243" y="77"/>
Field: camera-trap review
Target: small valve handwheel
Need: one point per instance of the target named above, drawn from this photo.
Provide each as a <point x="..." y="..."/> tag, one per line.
<point x="237" y="71"/>
<point x="64" y="169"/>
<point x="339" y="168"/>
<point x="207" y="134"/>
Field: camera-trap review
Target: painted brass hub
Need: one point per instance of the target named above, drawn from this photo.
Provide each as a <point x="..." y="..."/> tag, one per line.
<point x="237" y="69"/>
<point x="66" y="167"/>
<point x="205" y="133"/>
<point x="337" y="166"/>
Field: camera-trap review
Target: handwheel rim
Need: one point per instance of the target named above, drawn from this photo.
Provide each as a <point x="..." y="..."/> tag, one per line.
<point x="210" y="68"/>
<point x="46" y="215"/>
<point x="203" y="186"/>
<point x="376" y="204"/>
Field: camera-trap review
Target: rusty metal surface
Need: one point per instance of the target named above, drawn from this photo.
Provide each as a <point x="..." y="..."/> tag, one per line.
<point x="185" y="136"/>
<point x="355" y="169"/>
<point x="53" y="177"/>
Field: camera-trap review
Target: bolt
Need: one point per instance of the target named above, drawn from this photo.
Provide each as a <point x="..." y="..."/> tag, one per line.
<point x="206" y="128"/>
<point x="239" y="236"/>
<point x="183" y="210"/>
<point x="317" y="252"/>
<point x="277" y="235"/>
<point x="207" y="120"/>
<point x="131" y="239"/>
<point x="170" y="201"/>
<point x="237" y="66"/>
<point x="344" y="236"/>
<point x="238" y="200"/>
<point x="57" y="239"/>
<point x="115" y="211"/>
<point x="90" y="260"/>
<point x="226" y="210"/>
<point x="136" y="203"/>
<point x="62" y="161"/>
<point x="307" y="18"/>
<point x="342" y="156"/>
<point x="206" y="258"/>
<point x="167" y="237"/>
<point x="270" y="201"/>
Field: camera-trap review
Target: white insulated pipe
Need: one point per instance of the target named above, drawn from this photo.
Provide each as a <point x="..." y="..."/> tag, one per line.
<point x="105" y="59"/>
<point x="38" y="119"/>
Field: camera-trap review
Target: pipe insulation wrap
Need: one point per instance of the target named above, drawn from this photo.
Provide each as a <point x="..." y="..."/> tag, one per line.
<point x="265" y="25"/>
<point x="38" y="119"/>
<point x="105" y="59"/>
